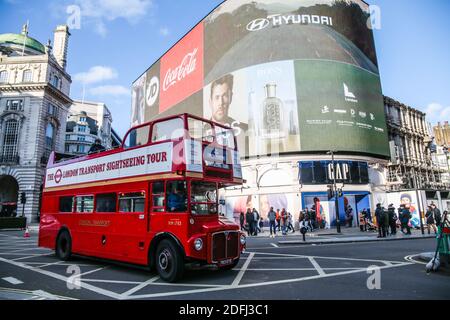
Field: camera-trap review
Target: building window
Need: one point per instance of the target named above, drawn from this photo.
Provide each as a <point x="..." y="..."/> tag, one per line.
<point x="82" y="119"/>
<point x="10" y="141"/>
<point x="81" y="138"/>
<point x="49" y="136"/>
<point x="80" y="149"/>
<point x="55" y="81"/>
<point x="14" y="105"/>
<point x="81" y="128"/>
<point x="3" y="76"/>
<point x="52" y="110"/>
<point x="27" y="74"/>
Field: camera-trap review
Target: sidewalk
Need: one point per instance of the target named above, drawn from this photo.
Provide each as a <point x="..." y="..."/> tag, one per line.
<point x="347" y="235"/>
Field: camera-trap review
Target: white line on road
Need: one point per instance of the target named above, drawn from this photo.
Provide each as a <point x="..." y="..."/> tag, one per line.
<point x="274" y="245"/>
<point x="242" y="271"/>
<point x="92" y="271"/>
<point x="12" y="280"/>
<point x="317" y="266"/>
<point x="139" y="287"/>
<point x="32" y="256"/>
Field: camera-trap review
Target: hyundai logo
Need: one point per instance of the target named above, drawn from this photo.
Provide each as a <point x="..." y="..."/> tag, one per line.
<point x="258" y="24"/>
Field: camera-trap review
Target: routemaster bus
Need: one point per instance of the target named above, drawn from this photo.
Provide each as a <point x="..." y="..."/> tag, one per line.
<point x="153" y="201"/>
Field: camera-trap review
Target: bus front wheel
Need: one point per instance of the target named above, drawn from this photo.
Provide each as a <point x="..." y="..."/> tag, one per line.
<point x="169" y="261"/>
<point x="64" y="246"/>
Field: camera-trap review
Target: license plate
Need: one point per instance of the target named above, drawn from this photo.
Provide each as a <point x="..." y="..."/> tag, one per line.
<point x="225" y="262"/>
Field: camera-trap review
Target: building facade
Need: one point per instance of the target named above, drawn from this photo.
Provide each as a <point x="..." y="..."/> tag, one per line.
<point x="416" y="167"/>
<point x="87" y="122"/>
<point x="442" y="134"/>
<point x="34" y="103"/>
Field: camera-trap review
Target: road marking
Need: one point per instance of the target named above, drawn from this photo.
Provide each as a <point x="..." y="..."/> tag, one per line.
<point x="317" y="266"/>
<point x="242" y="271"/>
<point x="411" y="259"/>
<point x="32" y="256"/>
<point x="274" y="245"/>
<point x="299" y="269"/>
<point x="50" y="264"/>
<point x="12" y="280"/>
<point x="140" y="286"/>
<point x="63" y="278"/>
<point x="92" y="271"/>
<point x="45" y="295"/>
<point x="252" y="285"/>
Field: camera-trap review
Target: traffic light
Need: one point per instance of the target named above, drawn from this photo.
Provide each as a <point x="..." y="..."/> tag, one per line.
<point x="23" y="198"/>
<point x="330" y="192"/>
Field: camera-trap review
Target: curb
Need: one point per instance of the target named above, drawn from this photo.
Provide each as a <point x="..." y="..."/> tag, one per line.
<point x="354" y="241"/>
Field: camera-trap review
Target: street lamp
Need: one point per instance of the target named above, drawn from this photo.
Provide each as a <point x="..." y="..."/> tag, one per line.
<point x="336" y="199"/>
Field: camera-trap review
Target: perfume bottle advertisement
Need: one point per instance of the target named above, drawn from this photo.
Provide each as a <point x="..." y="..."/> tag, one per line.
<point x="272" y="105"/>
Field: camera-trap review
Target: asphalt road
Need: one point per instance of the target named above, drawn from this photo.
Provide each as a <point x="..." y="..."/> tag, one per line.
<point x="267" y="271"/>
<point x="290" y="42"/>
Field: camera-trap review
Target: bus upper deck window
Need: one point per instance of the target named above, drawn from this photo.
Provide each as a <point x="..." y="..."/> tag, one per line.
<point x="137" y="137"/>
<point x="200" y="130"/>
<point x="168" y="130"/>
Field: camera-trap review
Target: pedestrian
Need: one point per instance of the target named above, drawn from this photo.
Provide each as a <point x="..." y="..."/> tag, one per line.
<point x="261" y="225"/>
<point x="379" y="214"/>
<point x="431" y="222"/>
<point x="362" y="221"/>
<point x="392" y="216"/>
<point x="96" y="147"/>
<point x="318" y="210"/>
<point x="249" y="221"/>
<point x="349" y="216"/>
<point x="283" y="221"/>
<point x="271" y="215"/>
<point x="308" y="219"/>
<point x="242" y="221"/>
<point x="278" y="219"/>
<point x="289" y="223"/>
<point x="367" y="221"/>
<point x="255" y="221"/>
<point x="437" y="214"/>
<point x="405" y="217"/>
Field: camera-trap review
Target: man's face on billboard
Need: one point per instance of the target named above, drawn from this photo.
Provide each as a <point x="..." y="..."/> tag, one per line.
<point x="220" y="102"/>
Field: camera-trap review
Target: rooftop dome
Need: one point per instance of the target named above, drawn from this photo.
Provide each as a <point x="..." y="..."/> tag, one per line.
<point x="14" y="39"/>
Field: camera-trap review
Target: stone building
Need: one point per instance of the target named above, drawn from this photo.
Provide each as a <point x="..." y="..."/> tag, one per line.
<point x="414" y="163"/>
<point x="442" y="134"/>
<point x="87" y="122"/>
<point x="34" y="103"/>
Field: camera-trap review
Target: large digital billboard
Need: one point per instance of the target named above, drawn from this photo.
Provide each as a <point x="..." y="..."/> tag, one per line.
<point x="287" y="75"/>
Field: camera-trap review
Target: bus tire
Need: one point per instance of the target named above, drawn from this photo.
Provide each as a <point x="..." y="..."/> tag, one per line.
<point x="230" y="266"/>
<point x="64" y="246"/>
<point x="169" y="261"/>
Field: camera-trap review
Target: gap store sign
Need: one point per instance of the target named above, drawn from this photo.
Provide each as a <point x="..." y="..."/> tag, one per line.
<point x="321" y="172"/>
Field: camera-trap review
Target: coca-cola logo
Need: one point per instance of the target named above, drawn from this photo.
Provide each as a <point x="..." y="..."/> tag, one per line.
<point x="187" y="66"/>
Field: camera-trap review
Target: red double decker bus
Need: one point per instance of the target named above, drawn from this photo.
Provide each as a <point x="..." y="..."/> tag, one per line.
<point x="153" y="201"/>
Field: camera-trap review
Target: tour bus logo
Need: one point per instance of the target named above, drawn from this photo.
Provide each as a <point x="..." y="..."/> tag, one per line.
<point x="187" y="66"/>
<point x="278" y="19"/>
<point x="58" y="176"/>
<point x="152" y="91"/>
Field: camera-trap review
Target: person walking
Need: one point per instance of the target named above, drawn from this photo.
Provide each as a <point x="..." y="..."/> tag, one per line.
<point x="249" y="221"/>
<point x="405" y="217"/>
<point x="289" y="223"/>
<point x="349" y="215"/>
<point x="380" y="221"/>
<point x="271" y="215"/>
<point x="255" y="221"/>
<point x="242" y="221"/>
<point x="392" y="218"/>
<point x="362" y="221"/>
<point x="437" y="214"/>
<point x="308" y="219"/>
<point x="278" y="219"/>
<point x="261" y="225"/>
<point x="283" y="216"/>
<point x="431" y="222"/>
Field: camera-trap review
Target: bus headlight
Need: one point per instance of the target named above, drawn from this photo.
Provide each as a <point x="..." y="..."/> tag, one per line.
<point x="243" y="240"/>
<point x="198" y="244"/>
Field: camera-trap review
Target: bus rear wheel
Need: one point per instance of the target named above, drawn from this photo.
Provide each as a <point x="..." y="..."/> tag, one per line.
<point x="169" y="261"/>
<point x="64" y="246"/>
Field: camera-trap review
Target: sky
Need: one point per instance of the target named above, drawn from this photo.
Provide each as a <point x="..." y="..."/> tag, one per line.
<point x="117" y="40"/>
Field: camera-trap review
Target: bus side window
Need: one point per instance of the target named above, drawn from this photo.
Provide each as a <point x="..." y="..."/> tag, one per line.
<point x="106" y="202"/>
<point x="66" y="204"/>
<point x="168" y="130"/>
<point x="158" y="199"/>
<point x="132" y="202"/>
<point x="85" y="204"/>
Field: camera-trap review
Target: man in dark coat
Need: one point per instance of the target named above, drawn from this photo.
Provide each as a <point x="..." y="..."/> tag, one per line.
<point x="97" y="147"/>
<point x="392" y="219"/>
<point x="249" y="219"/>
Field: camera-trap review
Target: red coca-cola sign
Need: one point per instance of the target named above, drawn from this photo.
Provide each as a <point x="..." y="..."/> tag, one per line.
<point x="182" y="70"/>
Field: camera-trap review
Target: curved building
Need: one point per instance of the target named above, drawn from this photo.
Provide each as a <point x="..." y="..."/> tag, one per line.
<point x="295" y="79"/>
